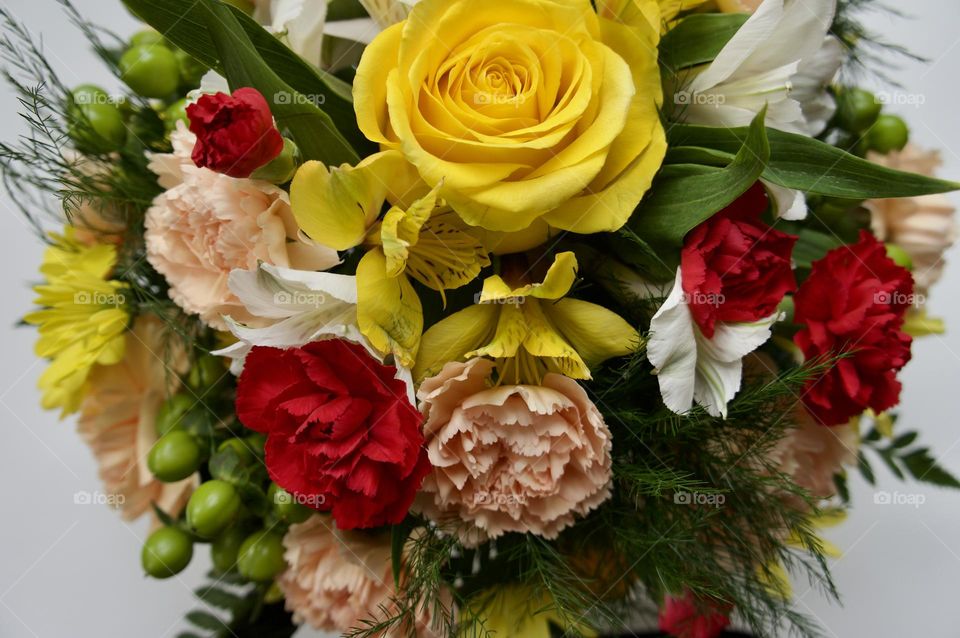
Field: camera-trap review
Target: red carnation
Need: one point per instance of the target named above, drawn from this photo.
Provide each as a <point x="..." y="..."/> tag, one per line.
<point x="853" y="304"/>
<point x="341" y="433"/>
<point x="684" y="618"/>
<point x="235" y="133"/>
<point x="734" y="267"/>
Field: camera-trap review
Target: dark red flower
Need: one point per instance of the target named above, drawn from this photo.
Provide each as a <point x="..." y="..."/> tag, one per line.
<point x="734" y="267"/>
<point x="235" y="133"/>
<point x="688" y="618"/>
<point x="341" y="433"/>
<point x="853" y="304"/>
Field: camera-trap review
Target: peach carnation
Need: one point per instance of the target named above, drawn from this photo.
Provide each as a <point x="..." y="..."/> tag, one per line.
<point x="207" y="224"/>
<point x="117" y="419"/>
<point x="338" y="579"/>
<point x="812" y="454"/>
<point x="922" y="226"/>
<point x="511" y="458"/>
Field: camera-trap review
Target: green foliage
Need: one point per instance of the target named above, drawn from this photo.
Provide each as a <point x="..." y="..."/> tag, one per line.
<point x="314" y="132"/>
<point x="903" y="459"/>
<point x="234" y="609"/>
<point x="684" y="195"/>
<point x="184" y="22"/>
<point x="812" y="166"/>
<point x="698" y="39"/>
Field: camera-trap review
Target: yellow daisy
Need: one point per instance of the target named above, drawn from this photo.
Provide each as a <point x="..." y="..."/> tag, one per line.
<point x="81" y="319"/>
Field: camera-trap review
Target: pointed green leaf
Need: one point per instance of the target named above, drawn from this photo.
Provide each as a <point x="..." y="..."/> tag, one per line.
<point x="698" y="39"/>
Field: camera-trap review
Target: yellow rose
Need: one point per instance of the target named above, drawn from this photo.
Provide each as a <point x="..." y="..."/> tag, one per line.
<point x="527" y="114"/>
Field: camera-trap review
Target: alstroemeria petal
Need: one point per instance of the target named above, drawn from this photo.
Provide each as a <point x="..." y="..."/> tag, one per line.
<point x="557" y="282"/>
<point x="454" y="336"/>
<point x="597" y="334"/>
<point x="336" y="207"/>
<point x="388" y="309"/>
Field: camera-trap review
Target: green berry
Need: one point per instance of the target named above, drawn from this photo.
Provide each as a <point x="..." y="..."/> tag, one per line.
<point x="286" y="506"/>
<point x="191" y="69"/>
<point x="172" y="413"/>
<point x="147" y="37"/>
<point x="167" y="552"/>
<point x="97" y="128"/>
<point x="212" y="508"/>
<point x="240" y="447"/>
<point x="857" y="109"/>
<point x="174" y="113"/>
<point x="889" y="133"/>
<point x="174" y="457"/>
<point x="256" y="443"/>
<point x="899" y="256"/>
<point x="226" y="547"/>
<point x="151" y="70"/>
<point x="261" y="556"/>
<point x="89" y="94"/>
<point x="206" y="372"/>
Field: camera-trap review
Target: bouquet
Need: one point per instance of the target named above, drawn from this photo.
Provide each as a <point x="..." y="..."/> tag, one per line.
<point x="499" y="317"/>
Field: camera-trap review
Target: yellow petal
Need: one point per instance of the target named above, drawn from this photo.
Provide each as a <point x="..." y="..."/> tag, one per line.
<point x="557" y="282"/>
<point x="510" y="333"/>
<point x="400" y="230"/>
<point x="336" y="207"/>
<point x="370" y="85"/>
<point x="544" y="341"/>
<point x="454" y="336"/>
<point x="388" y="309"/>
<point x="776" y="580"/>
<point x="517" y="611"/>
<point x="597" y="334"/>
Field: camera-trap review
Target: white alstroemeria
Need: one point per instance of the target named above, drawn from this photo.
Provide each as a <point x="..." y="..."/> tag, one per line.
<point x="302" y="306"/>
<point x="781" y="57"/>
<point x="298" y="23"/>
<point x="388" y="12"/>
<point x="787" y="203"/>
<point x="689" y="366"/>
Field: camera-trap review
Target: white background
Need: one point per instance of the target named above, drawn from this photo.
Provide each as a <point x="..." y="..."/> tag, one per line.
<point x="72" y="570"/>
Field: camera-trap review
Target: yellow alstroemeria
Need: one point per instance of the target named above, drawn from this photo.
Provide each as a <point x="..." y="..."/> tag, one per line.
<point x="517" y="611"/>
<point x="81" y="319"/>
<point x="419" y="237"/>
<point x="919" y="324"/>
<point x="530" y="328"/>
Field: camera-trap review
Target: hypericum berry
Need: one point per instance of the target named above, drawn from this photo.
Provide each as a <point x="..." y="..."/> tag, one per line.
<point x="207" y="371"/>
<point x="242" y="449"/>
<point x="172" y="414"/>
<point x="212" y="508"/>
<point x="261" y="556"/>
<point x="166" y="552"/>
<point x="226" y="547"/>
<point x="857" y="109"/>
<point x="174" y="457"/>
<point x="174" y="113"/>
<point x="286" y="506"/>
<point x="96" y="124"/>
<point x="146" y="37"/>
<point x="151" y="70"/>
<point x="889" y="133"/>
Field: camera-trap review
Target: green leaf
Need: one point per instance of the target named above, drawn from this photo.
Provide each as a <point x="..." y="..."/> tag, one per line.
<point x="183" y="22"/>
<point x="888" y="460"/>
<point x="314" y="132"/>
<point x="684" y="195"/>
<point x="865" y="469"/>
<point x="205" y="621"/>
<point x="923" y="467"/>
<point x="398" y="538"/>
<point x="698" y="39"/>
<point x="905" y="439"/>
<point x="812" y="166"/>
<point x="812" y="245"/>
<point x="219" y="598"/>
